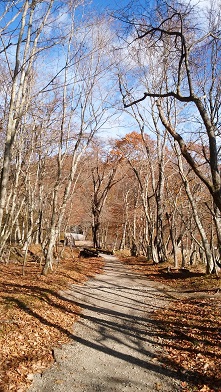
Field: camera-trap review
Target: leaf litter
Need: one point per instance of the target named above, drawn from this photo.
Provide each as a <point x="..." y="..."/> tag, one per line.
<point x="190" y="326"/>
<point x="34" y="317"/>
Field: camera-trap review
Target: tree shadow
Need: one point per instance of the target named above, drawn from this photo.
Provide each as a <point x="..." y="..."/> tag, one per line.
<point x="133" y="332"/>
<point x="105" y="333"/>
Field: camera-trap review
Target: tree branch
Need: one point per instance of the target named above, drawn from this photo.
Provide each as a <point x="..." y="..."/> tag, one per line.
<point x="156" y="95"/>
<point x="184" y="149"/>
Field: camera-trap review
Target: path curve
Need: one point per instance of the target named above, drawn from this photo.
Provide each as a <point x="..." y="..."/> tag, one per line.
<point x="115" y="343"/>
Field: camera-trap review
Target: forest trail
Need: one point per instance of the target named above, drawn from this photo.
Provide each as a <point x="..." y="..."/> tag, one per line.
<point x="115" y="344"/>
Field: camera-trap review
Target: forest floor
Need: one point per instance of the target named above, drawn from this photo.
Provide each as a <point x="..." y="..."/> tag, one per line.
<point x="35" y="318"/>
<point x="191" y="323"/>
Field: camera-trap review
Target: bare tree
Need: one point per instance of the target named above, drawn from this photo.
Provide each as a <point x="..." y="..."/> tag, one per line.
<point x="206" y="245"/>
<point x="48" y="118"/>
<point x="83" y="112"/>
<point x="103" y="179"/>
<point x="25" y="42"/>
<point x="184" y="43"/>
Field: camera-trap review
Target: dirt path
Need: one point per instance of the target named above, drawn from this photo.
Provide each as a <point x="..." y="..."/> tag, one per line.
<point x="115" y="344"/>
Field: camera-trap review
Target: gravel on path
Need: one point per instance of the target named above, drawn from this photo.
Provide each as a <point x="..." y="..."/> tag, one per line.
<point x="115" y="344"/>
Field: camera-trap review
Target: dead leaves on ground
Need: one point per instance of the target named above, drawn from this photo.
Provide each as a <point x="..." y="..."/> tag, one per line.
<point x="34" y="317"/>
<point x="190" y="327"/>
<point x="191" y="338"/>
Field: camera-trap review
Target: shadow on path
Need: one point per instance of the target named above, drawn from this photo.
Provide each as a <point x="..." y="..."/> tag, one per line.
<point x="115" y="345"/>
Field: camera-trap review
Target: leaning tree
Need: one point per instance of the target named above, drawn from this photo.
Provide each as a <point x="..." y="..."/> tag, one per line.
<point x="178" y="45"/>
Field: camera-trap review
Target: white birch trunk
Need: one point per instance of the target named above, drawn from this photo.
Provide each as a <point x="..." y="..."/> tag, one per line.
<point x="206" y="245"/>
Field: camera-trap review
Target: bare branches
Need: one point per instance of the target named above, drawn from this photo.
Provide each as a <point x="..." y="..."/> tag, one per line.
<point x="156" y="95"/>
<point x="183" y="67"/>
<point x="183" y="148"/>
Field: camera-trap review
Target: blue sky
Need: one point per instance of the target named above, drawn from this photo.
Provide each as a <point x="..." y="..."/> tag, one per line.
<point x="111" y="4"/>
<point x="102" y="5"/>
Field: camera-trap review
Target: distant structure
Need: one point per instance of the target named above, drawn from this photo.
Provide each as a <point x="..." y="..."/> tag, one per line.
<point x="75" y="234"/>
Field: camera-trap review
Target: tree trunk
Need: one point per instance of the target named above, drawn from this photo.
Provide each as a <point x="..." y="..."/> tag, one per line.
<point x="206" y="245"/>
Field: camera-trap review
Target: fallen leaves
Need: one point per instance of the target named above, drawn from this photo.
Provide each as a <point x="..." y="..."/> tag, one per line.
<point x="190" y="327"/>
<point x="35" y="317"/>
<point x="192" y="343"/>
